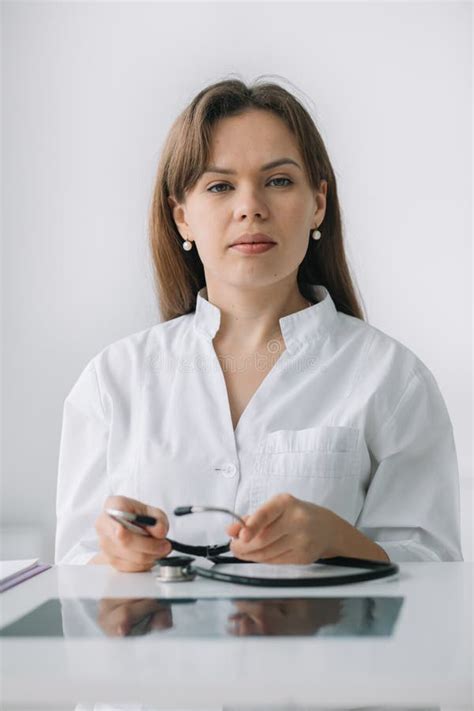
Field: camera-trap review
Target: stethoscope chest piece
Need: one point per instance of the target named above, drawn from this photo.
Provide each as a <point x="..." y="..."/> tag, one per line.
<point x="176" y="569"/>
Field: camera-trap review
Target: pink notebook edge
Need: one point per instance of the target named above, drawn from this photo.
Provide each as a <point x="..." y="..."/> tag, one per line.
<point x="38" y="568"/>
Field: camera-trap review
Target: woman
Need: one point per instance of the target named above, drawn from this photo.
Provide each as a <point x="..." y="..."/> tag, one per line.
<point x="263" y="390"/>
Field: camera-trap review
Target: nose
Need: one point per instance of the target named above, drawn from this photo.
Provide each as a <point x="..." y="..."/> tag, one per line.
<point x="251" y="204"/>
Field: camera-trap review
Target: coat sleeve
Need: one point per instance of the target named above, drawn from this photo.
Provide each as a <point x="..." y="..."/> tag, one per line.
<point x="412" y="504"/>
<point x="82" y="471"/>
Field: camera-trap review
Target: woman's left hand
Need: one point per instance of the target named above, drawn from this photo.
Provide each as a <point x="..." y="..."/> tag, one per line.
<point x="285" y="530"/>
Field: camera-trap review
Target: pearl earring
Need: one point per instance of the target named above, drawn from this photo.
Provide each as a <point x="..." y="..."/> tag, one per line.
<point x="316" y="234"/>
<point x="187" y="245"/>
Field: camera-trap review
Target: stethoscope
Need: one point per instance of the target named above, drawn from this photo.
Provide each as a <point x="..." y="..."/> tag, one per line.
<point x="181" y="569"/>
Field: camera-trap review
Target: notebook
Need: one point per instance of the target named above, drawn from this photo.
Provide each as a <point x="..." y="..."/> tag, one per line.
<point x="13" y="572"/>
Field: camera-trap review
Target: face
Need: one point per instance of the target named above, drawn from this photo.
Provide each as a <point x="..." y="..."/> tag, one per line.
<point x="277" y="201"/>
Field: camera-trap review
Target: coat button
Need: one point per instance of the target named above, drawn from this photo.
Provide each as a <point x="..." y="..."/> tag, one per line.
<point x="228" y="470"/>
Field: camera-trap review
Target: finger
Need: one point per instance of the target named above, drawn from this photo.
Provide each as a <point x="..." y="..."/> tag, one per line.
<point x="126" y="551"/>
<point x="287" y="557"/>
<point x="269" y="512"/>
<point x="261" y="555"/>
<point x="138" y="609"/>
<point x="124" y="503"/>
<point x="108" y="604"/>
<point x="121" y="618"/>
<point x="127" y="566"/>
<point x="104" y="523"/>
<point x="108" y="526"/>
<point x="133" y="564"/>
<point x="161" y="528"/>
<point x="243" y="626"/>
<point x="162" y="619"/>
<point x="111" y="622"/>
<point x="158" y="547"/>
<point x="124" y="538"/>
<point x="107" y="614"/>
<point x="235" y="527"/>
<point x="132" y="545"/>
<point x="264" y="538"/>
<point x="146" y="628"/>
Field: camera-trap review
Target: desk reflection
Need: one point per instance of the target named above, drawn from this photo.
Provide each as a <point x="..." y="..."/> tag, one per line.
<point x="224" y="617"/>
<point x="122" y="617"/>
<point x="214" y="617"/>
<point x="209" y="617"/>
<point x="240" y="617"/>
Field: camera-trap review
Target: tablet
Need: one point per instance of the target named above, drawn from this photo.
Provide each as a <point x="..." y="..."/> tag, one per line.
<point x="373" y="616"/>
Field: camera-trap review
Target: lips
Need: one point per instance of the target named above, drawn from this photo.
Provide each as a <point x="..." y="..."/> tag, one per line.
<point x="255" y="238"/>
<point x="253" y="247"/>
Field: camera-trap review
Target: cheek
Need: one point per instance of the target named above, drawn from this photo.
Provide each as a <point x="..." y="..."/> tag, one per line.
<point x="203" y="218"/>
<point x="295" y="246"/>
<point x="296" y="225"/>
<point x="210" y="237"/>
<point x="212" y="248"/>
<point x="300" y="218"/>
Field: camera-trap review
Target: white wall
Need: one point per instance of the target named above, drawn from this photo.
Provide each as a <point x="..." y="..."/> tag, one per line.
<point x="89" y="92"/>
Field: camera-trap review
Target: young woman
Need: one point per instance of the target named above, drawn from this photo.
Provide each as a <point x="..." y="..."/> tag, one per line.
<point x="263" y="390"/>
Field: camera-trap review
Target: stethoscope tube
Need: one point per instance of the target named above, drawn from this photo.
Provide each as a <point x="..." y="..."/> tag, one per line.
<point x="373" y="570"/>
<point x="179" y="569"/>
<point x="209" y="552"/>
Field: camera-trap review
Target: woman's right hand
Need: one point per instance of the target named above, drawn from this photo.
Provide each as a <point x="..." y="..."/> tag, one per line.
<point x="127" y="551"/>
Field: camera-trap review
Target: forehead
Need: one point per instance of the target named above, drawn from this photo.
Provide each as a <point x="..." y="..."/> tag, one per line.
<point x="256" y="134"/>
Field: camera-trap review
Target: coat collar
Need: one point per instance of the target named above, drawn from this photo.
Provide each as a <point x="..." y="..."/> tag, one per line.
<point x="299" y="328"/>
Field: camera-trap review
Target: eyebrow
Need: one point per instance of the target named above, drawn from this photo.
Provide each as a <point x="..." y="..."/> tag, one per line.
<point x="267" y="166"/>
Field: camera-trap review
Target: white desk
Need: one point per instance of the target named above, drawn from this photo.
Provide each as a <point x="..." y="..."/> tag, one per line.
<point x="427" y="662"/>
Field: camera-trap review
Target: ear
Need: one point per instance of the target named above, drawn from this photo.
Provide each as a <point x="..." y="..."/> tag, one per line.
<point x="178" y="213"/>
<point x="320" y="199"/>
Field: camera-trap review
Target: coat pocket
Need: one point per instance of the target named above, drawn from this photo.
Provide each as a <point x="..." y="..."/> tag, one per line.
<point x="318" y="464"/>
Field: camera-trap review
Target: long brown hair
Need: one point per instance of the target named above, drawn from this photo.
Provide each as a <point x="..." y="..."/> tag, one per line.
<point x="179" y="274"/>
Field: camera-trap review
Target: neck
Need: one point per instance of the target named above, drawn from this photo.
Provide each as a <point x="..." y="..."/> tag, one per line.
<point x="250" y="316"/>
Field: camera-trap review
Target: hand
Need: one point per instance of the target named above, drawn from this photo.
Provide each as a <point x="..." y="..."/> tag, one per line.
<point x="284" y="530"/>
<point x="127" y="551"/>
<point x="118" y="617"/>
<point x="285" y="616"/>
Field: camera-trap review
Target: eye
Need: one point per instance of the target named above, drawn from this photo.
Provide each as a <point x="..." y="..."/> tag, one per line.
<point x="218" y="185"/>
<point x="282" y="186"/>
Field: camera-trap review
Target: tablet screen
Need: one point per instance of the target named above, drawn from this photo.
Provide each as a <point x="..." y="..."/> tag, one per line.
<point x="372" y="616"/>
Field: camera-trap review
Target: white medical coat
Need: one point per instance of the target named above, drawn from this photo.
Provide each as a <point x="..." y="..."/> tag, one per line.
<point x="347" y="418"/>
